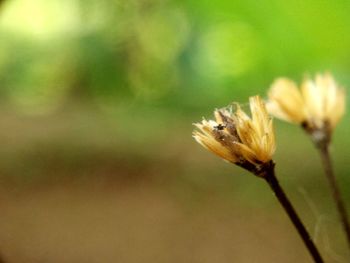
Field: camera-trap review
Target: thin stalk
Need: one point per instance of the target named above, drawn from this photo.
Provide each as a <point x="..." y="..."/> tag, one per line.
<point x="2" y="259"/>
<point x="328" y="168"/>
<point x="293" y="216"/>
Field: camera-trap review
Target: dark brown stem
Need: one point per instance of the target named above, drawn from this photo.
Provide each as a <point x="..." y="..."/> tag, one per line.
<point x="293" y="216"/>
<point x="328" y="168"/>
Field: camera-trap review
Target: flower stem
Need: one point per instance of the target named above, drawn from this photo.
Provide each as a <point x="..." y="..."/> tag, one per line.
<point x="293" y="216"/>
<point x="328" y="168"/>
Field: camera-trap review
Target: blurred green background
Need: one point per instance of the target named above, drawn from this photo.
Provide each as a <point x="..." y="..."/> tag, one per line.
<point x="97" y="101"/>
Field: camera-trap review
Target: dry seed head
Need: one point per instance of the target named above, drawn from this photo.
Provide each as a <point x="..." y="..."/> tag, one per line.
<point x="246" y="141"/>
<point x="318" y="105"/>
<point x="286" y="101"/>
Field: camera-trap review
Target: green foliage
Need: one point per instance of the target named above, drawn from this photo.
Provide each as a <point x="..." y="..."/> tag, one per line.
<point x="189" y="54"/>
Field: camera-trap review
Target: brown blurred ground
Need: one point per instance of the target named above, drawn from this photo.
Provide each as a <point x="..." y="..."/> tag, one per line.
<point x="82" y="188"/>
<point x="113" y="222"/>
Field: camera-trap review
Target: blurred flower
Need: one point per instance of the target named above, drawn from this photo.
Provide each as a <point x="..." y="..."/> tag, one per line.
<point x="317" y="106"/>
<point x="286" y="101"/>
<point x="237" y="138"/>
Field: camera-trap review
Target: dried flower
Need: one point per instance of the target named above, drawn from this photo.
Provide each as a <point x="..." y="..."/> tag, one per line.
<point x="237" y="138"/>
<point x="249" y="142"/>
<point x="317" y="106"/>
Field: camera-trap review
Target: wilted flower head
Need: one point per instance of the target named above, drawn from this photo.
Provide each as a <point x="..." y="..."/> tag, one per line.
<point x="237" y="138"/>
<point x="317" y="106"/>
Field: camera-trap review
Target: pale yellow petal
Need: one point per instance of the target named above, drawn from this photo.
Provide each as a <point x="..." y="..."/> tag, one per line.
<point x="257" y="133"/>
<point x="260" y="116"/>
<point x="274" y="109"/>
<point x="247" y="153"/>
<point x="214" y="146"/>
<point x="287" y="96"/>
<point x="314" y="101"/>
<point x="330" y="96"/>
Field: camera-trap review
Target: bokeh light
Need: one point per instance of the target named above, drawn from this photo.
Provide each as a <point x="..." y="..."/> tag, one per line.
<point x="228" y="50"/>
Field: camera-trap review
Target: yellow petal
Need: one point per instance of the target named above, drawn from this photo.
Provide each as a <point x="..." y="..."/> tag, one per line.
<point x="287" y="96"/>
<point x="214" y="146"/>
<point x="314" y="101"/>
